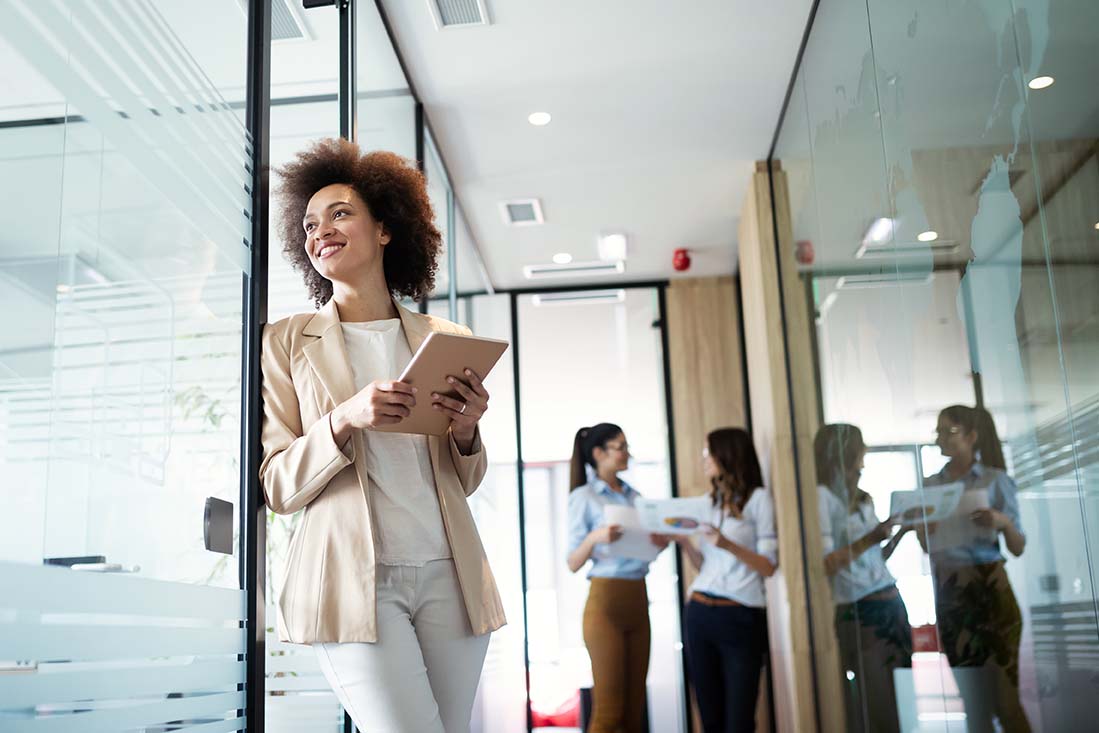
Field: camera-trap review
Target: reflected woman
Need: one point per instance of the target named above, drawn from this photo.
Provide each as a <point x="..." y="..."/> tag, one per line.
<point x="726" y="620"/>
<point x="978" y="617"/>
<point x="616" y="615"/>
<point x="386" y="578"/>
<point x="871" y="619"/>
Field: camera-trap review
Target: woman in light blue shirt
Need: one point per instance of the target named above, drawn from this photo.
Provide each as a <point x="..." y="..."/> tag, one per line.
<point x="726" y="616"/>
<point x="616" y="615"/>
<point x="871" y="619"/>
<point x="979" y="621"/>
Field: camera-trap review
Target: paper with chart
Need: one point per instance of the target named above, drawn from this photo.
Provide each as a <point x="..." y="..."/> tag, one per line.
<point x="635" y="543"/>
<point x="933" y="504"/>
<point x="675" y="516"/>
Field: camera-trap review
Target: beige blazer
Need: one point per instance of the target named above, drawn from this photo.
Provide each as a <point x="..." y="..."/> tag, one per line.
<point x="328" y="592"/>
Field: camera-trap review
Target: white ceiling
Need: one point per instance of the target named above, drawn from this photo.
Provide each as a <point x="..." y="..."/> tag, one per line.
<point x="659" y="112"/>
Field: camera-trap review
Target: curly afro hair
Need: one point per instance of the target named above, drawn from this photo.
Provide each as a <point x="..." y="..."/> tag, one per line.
<point x="395" y="192"/>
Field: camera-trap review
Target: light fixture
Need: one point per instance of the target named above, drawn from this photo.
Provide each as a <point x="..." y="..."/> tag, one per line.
<point x="1097" y="226"/>
<point x="62" y="288"/>
<point x="929" y="236"/>
<point x="879" y="232"/>
<point x="1040" y="82"/>
<point x="612" y="247"/>
<point x="539" y="119"/>
<point x="562" y="258"/>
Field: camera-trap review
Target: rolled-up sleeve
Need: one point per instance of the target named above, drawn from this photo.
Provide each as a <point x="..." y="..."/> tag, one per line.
<point x="1007" y="495"/>
<point x="579" y="523"/>
<point x="471" y="468"/>
<point x="763" y="516"/>
<point x="824" y="516"/>
<point x="297" y="464"/>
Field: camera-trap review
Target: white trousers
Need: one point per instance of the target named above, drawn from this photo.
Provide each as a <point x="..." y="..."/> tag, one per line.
<point x="421" y="676"/>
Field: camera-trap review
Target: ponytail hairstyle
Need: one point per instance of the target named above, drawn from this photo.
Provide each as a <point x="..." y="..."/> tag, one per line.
<point x="583" y="450"/>
<point x="735" y="456"/>
<point x="987" y="449"/>
<point x="836" y="449"/>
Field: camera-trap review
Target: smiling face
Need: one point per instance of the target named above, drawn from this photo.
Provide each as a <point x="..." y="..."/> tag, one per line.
<point x="343" y="240"/>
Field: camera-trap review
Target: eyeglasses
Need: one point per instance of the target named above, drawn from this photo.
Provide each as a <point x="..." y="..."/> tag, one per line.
<point x="624" y="447"/>
<point x="952" y="430"/>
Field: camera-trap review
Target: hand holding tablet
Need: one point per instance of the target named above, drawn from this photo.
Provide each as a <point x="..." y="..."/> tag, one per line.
<point x="446" y="373"/>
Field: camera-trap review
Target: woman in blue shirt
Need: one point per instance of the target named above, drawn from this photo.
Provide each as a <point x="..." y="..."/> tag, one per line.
<point x="871" y="619"/>
<point x="616" y="616"/>
<point x="978" y="617"/>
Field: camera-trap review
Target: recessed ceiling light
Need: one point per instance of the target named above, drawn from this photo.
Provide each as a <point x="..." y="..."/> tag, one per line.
<point x="1041" y="82"/>
<point x="928" y="236"/>
<point x="539" y="119"/>
<point x="1097" y="225"/>
<point x="612" y="247"/>
<point x="62" y="288"/>
<point x="562" y="258"/>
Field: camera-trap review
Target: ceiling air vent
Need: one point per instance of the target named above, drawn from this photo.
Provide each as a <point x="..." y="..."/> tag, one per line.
<point x="521" y="212"/>
<point x="286" y="23"/>
<point x="458" y="13"/>
<point x="882" y="280"/>
<point x="574" y="269"/>
<point x="585" y="297"/>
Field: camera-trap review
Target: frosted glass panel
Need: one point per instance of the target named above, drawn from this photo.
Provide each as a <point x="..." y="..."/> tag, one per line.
<point x="125" y="185"/>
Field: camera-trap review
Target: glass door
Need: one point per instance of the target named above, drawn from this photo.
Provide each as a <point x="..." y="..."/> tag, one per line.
<point x="585" y="358"/>
<point x="125" y="194"/>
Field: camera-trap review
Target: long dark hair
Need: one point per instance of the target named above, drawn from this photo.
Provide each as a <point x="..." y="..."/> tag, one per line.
<point x="988" y="449"/>
<point x="735" y="455"/>
<point x="837" y="449"/>
<point x="583" y="450"/>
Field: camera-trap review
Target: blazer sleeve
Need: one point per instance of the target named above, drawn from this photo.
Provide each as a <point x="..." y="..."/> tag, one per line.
<point x="297" y="464"/>
<point x="471" y="469"/>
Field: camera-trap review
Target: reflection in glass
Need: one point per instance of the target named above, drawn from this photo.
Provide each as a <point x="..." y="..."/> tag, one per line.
<point x="911" y="118"/>
<point x="871" y="619"/>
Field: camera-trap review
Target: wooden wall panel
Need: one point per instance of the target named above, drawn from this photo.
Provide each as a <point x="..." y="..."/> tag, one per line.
<point x="706" y="369"/>
<point x="796" y="608"/>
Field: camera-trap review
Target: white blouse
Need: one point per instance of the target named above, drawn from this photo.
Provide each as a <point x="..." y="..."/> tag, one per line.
<point x="404" y="502"/>
<point x="722" y="574"/>
<point x="866" y="574"/>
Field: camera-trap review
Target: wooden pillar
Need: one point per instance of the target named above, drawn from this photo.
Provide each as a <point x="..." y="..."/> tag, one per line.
<point x="782" y="394"/>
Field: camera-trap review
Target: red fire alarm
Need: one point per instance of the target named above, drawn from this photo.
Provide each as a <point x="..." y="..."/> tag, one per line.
<point x="681" y="260"/>
<point x="804" y="252"/>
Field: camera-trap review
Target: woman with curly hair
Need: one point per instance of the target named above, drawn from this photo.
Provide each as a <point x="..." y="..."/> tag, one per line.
<point x="726" y="614"/>
<point x="386" y="577"/>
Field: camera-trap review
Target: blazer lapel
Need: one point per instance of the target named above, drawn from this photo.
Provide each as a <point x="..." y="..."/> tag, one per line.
<point x="416" y="327"/>
<point x="327" y="355"/>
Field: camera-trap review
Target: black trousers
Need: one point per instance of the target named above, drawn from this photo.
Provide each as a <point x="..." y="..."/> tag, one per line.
<point x="725" y="650"/>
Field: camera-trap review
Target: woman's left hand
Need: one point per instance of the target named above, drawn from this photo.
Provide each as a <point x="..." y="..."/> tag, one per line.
<point x="661" y="540"/>
<point x="466" y="411"/>
<point x="713" y="535"/>
<point x="988" y="517"/>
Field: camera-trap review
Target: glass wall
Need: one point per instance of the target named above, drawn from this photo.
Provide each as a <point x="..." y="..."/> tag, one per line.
<point x="124" y="179"/>
<point x="941" y="162"/>
<point x="616" y="375"/>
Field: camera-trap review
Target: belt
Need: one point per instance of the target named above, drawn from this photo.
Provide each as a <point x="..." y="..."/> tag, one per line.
<point x="711" y="601"/>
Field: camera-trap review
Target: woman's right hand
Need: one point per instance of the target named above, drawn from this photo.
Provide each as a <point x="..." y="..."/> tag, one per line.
<point x="605" y="535"/>
<point x="377" y="404"/>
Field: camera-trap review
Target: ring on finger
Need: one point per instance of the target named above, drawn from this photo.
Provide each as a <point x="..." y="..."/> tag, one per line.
<point x="463" y="410"/>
